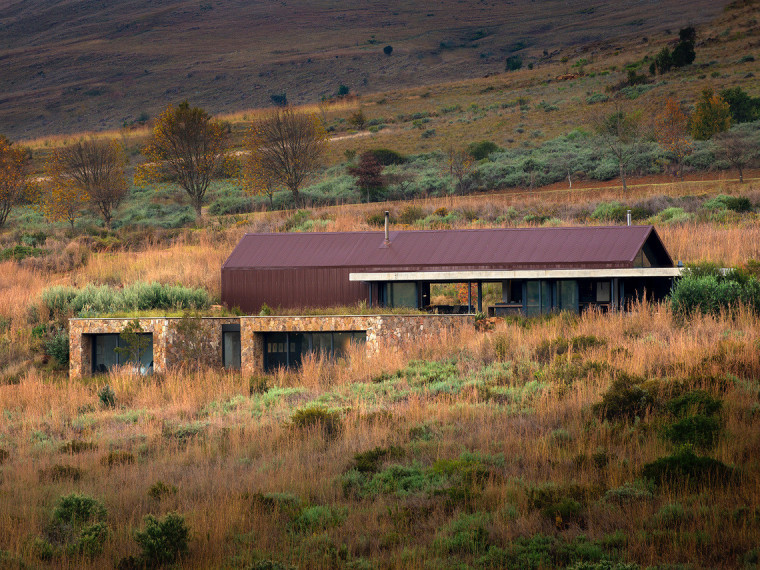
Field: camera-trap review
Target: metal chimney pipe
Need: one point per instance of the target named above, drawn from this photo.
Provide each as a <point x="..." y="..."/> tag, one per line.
<point x="387" y="230"/>
<point x="628" y="217"/>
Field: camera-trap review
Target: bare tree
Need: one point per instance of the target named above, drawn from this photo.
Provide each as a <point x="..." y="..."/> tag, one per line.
<point x="189" y="146"/>
<point x="738" y="149"/>
<point x="286" y="148"/>
<point x="671" y="129"/>
<point x="13" y="177"/>
<point x="620" y="134"/>
<point x="96" y="167"/>
<point x="460" y="164"/>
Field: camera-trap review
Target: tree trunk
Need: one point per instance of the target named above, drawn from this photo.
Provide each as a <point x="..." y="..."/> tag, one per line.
<point x="741" y="173"/>
<point x="622" y="177"/>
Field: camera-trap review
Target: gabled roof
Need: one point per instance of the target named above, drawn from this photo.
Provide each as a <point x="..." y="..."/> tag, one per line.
<point x="502" y="248"/>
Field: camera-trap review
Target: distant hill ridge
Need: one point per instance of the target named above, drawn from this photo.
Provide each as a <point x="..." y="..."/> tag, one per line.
<point x="73" y="65"/>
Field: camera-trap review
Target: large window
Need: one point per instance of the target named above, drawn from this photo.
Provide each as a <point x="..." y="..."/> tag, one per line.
<point x="568" y="296"/>
<point x="111" y="350"/>
<point x="403" y="295"/>
<point x="288" y="348"/>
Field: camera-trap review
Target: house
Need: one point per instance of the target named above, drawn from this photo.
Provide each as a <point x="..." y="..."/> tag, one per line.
<point x="540" y="269"/>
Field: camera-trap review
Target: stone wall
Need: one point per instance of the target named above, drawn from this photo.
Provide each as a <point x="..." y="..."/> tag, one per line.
<point x="176" y="340"/>
<point x="382" y="330"/>
<point x="170" y="348"/>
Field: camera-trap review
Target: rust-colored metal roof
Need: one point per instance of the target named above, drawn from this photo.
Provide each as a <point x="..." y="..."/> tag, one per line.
<point x="510" y="248"/>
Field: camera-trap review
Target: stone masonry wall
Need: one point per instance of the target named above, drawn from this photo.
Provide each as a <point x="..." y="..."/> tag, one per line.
<point x="382" y="330"/>
<point x="204" y="336"/>
<point x="170" y="348"/>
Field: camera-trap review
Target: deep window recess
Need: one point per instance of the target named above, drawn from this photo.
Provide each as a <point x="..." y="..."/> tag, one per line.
<point x="105" y="353"/>
<point x="288" y="348"/>
<point x="231" y="346"/>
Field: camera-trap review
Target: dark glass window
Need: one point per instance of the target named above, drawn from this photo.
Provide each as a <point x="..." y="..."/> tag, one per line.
<point x="111" y="350"/>
<point x="287" y="349"/>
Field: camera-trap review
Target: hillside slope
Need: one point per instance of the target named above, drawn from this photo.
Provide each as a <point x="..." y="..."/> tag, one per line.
<point x="73" y="65"/>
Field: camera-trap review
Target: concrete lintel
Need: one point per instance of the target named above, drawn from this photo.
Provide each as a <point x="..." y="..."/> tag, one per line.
<point x="501" y="275"/>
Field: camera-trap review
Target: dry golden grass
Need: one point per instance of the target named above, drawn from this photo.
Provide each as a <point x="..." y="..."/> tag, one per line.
<point x="205" y="434"/>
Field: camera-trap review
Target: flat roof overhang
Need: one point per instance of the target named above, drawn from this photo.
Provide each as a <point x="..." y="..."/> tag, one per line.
<point x="503" y="274"/>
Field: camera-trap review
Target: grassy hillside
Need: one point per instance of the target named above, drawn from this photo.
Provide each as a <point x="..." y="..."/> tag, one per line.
<point x="75" y="65"/>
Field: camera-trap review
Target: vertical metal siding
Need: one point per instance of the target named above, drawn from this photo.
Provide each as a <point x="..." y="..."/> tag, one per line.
<point x="249" y="289"/>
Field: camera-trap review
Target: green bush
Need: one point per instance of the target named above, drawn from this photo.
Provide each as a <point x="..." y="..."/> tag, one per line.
<point x="231" y="205"/>
<point x="410" y="214"/>
<point x="685" y="466"/>
<point x="107" y="397"/>
<point x="734" y="203"/>
<point x="59" y="472"/>
<point x="713" y="294"/>
<point x="160" y="490"/>
<point x="94" y="300"/>
<point x="76" y="446"/>
<point x="370" y="461"/>
<point x="466" y="534"/>
<point x="117" y="457"/>
<point x="699" y="430"/>
<point x="78" y="525"/>
<point x="318" y="518"/>
<point x="482" y="149"/>
<point x="163" y="540"/>
<point x="694" y="402"/>
<point x="57" y="347"/>
<point x="19" y="252"/>
<point x="309" y="418"/>
<point x="624" y="400"/>
<point x="388" y="157"/>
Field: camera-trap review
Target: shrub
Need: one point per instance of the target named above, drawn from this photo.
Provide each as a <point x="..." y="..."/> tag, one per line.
<point x="514" y="62"/>
<point x="483" y="149"/>
<point x="695" y="402"/>
<point x="163" y="540"/>
<point x="308" y="418"/>
<point x="699" y="430"/>
<point x="685" y="466"/>
<point x="630" y="493"/>
<point x="107" y="397"/>
<point x="231" y="205"/>
<point x="160" y="490"/>
<point x="370" y="461"/>
<point x="4" y="455"/>
<point x="58" y="348"/>
<point x="410" y="214"/>
<point x="78" y="525"/>
<point x="117" y="457"/>
<point x="734" y="203"/>
<point x="466" y="534"/>
<point x="76" y="446"/>
<point x="713" y="294"/>
<point x="258" y="385"/>
<point x="60" y="472"/>
<point x="388" y="50"/>
<point x="318" y="518"/>
<point x="624" y="400"/>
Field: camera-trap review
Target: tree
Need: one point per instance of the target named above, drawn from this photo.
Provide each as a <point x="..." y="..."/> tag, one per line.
<point x="286" y="147"/>
<point x="620" y="134"/>
<point x="369" y="174"/>
<point x="13" y="177"/>
<point x="671" y="131"/>
<point x="738" y="149"/>
<point x="663" y="61"/>
<point x="712" y="116"/>
<point x="96" y="168"/>
<point x="62" y="198"/>
<point x="358" y="119"/>
<point x="188" y="145"/>
<point x="744" y="109"/>
<point x="460" y="165"/>
<point x="388" y="50"/>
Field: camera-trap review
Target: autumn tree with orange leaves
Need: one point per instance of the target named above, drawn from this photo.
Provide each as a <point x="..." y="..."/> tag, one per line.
<point x="61" y="198"/>
<point x="284" y="149"/>
<point x="187" y="147"/>
<point x="712" y="116"/>
<point x="672" y="133"/>
<point x="13" y="177"/>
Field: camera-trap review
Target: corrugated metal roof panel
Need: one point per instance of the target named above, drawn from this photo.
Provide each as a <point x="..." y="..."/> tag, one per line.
<point x="606" y="246"/>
